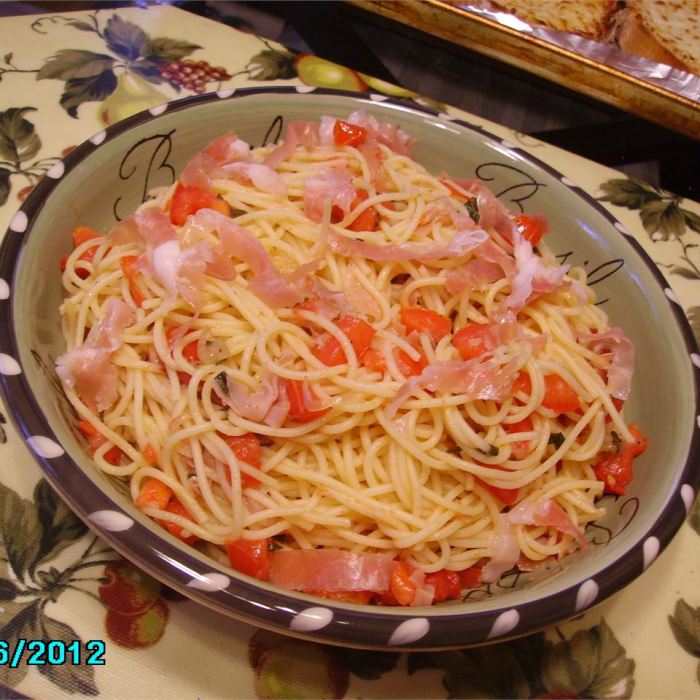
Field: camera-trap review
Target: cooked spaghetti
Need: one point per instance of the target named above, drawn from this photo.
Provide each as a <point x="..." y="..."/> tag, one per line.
<point x="324" y="365"/>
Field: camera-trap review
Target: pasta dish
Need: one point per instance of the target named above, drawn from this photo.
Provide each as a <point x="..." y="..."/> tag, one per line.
<point x="328" y="368"/>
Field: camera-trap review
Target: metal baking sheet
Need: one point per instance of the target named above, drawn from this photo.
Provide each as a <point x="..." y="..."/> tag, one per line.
<point x="659" y="93"/>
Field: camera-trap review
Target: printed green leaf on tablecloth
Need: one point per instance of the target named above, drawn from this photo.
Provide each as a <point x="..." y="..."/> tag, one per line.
<point x="591" y="664"/>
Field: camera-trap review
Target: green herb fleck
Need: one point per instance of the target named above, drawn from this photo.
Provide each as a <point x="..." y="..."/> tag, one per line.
<point x="617" y="441"/>
<point x="222" y="380"/>
<point x="492" y="451"/>
<point x="556" y="439"/>
<point x="472" y="207"/>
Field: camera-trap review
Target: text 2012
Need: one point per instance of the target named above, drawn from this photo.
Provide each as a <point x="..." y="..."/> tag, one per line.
<point x="39" y="652"/>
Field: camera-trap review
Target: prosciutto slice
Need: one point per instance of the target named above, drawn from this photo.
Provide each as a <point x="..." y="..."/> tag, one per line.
<point x="532" y="275"/>
<point x="332" y="185"/>
<point x="546" y="513"/>
<point x="330" y="570"/>
<point x="490" y="264"/>
<point x="267" y="282"/>
<point x="480" y="378"/>
<point x="267" y="404"/>
<point x="208" y="165"/>
<point x="460" y="244"/>
<point x="616" y="342"/>
<point x="88" y="368"/>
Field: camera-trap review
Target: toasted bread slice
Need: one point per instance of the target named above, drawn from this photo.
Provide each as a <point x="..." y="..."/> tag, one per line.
<point x="589" y="18"/>
<point x="673" y="24"/>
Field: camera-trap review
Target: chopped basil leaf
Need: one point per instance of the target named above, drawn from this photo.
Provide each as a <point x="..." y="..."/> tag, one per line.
<point x="556" y="439"/>
<point x="222" y="380"/>
<point x="472" y="207"/>
<point x="617" y="441"/>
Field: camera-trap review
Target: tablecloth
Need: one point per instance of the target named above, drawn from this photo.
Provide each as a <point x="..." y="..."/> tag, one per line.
<point x="62" y="78"/>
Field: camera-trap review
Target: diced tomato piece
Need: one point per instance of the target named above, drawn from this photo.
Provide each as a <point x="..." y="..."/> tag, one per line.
<point x="82" y="234"/>
<point x="128" y="265"/>
<point x="531" y="227"/>
<point x="558" y="395"/>
<point x="247" y="449"/>
<point x="113" y="456"/>
<point x="150" y="454"/>
<point x="407" y="365"/>
<point x="87" y="428"/>
<point x="508" y="497"/>
<point x="471" y="577"/>
<point x="421" y="320"/>
<point x="373" y="359"/>
<point x="190" y="352"/>
<point x="176" y="508"/>
<point x="401" y="586"/>
<point x="188" y="199"/>
<point x="368" y="219"/>
<point x="299" y="410"/>
<point x="154" y="494"/>
<point x="523" y="426"/>
<point x="522" y="384"/>
<point x="251" y="557"/>
<point x="357" y="597"/>
<point x="472" y="340"/>
<point x="448" y="585"/>
<point x="347" y="134"/>
<point x="359" y="333"/>
<point x="615" y="470"/>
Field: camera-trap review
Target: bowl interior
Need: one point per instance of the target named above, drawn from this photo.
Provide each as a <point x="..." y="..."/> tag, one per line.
<point x="104" y="183"/>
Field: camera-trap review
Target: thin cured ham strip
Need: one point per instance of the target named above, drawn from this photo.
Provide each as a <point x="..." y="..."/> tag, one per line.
<point x="330" y="570"/>
<point x="490" y="264"/>
<point x="308" y="134"/>
<point x="390" y="135"/>
<point x="532" y="275"/>
<point x="483" y="377"/>
<point x="267" y="283"/>
<point x="546" y="513"/>
<point x="208" y="165"/>
<point x="493" y="214"/>
<point x="267" y="404"/>
<point x="261" y="176"/>
<point x="332" y="185"/>
<point x="616" y="342"/>
<point x="88" y="368"/>
<point x="505" y="551"/>
<point x="461" y="244"/>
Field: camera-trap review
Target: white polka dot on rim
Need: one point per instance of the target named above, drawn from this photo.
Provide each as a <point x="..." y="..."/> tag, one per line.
<point x="8" y="365"/>
<point x="311" y="619"/>
<point x="622" y="229"/>
<point x="695" y="359"/>
<point x="409" y="631"/>
<point x="56" y="171"/>
<point x="305" y="88"/>
<point x="508" y="144"/>
<point x="670" y="294"/>
<point x="4" y="289"/>
<point x="688" y="496"/>
<point x="506" y="622"/>
<point x="587" y="593"/>
<point x="111" y="520"/>
<point x="698" y="421"/>
<point x="19" y="222"/>
<point x="565" y="181"/>
<point x="210" y="582"/>
<point x="447" y="117"/>
<point x="98" y="138"/>
<point x="375" y="97"/>
<point x="158" y="109"/>
<point x="225" y="92"/>
<point x="45" y="447"/>
<point x="650" y="549"/>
